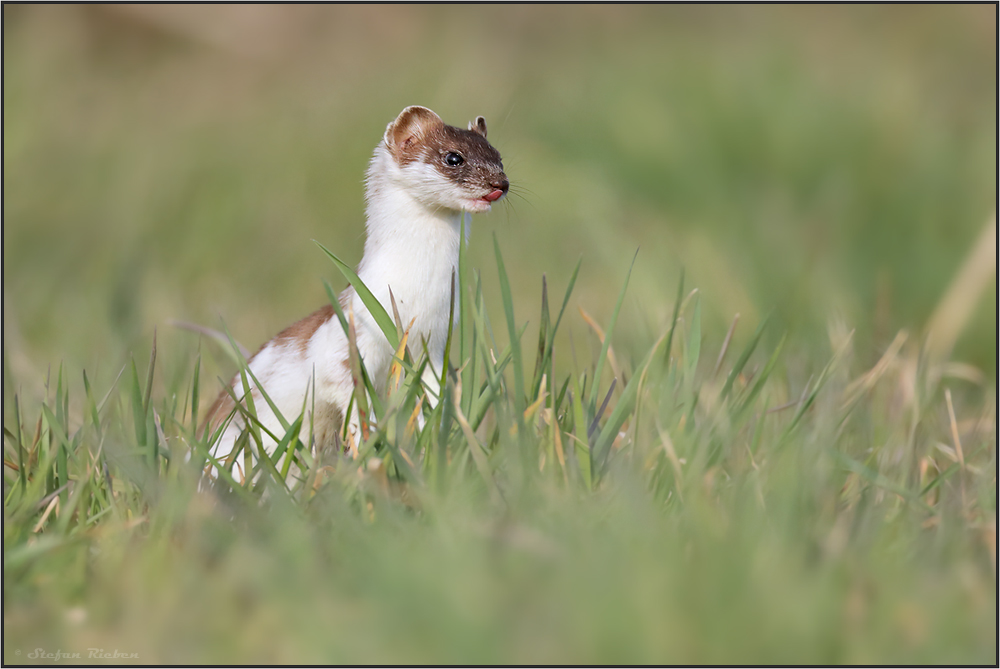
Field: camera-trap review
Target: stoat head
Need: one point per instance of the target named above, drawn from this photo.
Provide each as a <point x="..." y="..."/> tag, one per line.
<point x="443" y="166"/>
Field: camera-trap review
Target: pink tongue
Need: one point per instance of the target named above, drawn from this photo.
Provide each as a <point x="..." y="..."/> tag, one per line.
<point x="494" y="196"/>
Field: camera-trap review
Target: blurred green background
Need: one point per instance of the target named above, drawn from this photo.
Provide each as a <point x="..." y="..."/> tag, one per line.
<point x="175" y="162"/>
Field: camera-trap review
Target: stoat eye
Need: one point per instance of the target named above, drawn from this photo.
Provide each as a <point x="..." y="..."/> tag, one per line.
<point x="454" y="159"/>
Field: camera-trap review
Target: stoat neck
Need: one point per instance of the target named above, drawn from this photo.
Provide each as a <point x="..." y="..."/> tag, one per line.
<point x="396" y="218"/>
<point x="410" y="247"/>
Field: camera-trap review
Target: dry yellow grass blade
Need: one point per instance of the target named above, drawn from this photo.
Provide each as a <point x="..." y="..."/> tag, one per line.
<point x="954" y="428"/>
<point x="668" y="447"/>
<point x="412" y="423"/>
<point x="352" y="445"/>
<point x="396" y="369"/>
<point x="475" y="448"/>
<point x="542" y="395"/>
<point x="867" y="381"/>
<point x="954" y="310"/>
<point x="589" y="320"/>
<point x="45" y="516"/>
<point x="957" y="442"/>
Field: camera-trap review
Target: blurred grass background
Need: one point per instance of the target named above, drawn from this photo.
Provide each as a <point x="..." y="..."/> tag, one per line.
<point x="175" y="162"/>
<point x="832" y="165"/>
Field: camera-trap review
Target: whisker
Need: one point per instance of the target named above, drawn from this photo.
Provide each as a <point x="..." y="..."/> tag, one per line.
<point x="521" y="197"/>
<point x="509" y="206"/>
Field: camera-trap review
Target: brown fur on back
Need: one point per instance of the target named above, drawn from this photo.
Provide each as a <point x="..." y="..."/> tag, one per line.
<point x="298" y="334"/>
<point x="220" y="408"/>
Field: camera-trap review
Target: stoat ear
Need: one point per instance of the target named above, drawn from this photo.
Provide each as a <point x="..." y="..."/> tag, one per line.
<point x="412" y="124"/>
<point x="478" y="126"/>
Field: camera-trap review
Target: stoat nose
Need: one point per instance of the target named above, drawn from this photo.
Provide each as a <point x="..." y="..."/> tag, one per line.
<point x="500" y="185"/>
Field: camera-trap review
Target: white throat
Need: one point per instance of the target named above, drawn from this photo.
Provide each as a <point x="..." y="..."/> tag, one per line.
<point x="411" y="247"/>
<point x="394" y="212"/>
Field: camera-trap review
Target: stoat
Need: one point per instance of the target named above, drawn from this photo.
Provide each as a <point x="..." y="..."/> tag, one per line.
<point x="422" y="177"/>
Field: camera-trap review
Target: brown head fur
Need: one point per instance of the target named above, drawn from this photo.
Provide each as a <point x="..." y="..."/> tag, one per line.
<point x="420" y="134"/>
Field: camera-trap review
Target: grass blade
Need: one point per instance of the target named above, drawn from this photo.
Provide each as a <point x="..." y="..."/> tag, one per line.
<point x="543" y="336"/>
<point x="375" y="308"/>
<point x="149" y="376"/>
<point x="619" y="415"/>
<point x="515" y="343"/>
<point x="195" y="384"/>
<point x="760" y="381"/>
<point x="742" y="361"/>
<point x="91" y="403"/>
<point x="138" y="414"/>
<point x="21" y="473"/>
<point x="592" y="399"/>
<point x="673" y="322"/>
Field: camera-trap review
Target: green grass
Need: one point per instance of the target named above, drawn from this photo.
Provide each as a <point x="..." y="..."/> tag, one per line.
<point x="819" y="488"/>
<point x="714" y="517"/>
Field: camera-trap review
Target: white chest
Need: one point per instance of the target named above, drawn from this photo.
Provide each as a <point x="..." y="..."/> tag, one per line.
<point x="415" y="257"/>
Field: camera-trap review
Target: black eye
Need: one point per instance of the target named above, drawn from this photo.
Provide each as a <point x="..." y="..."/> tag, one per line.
<point x="454" y="159"/>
